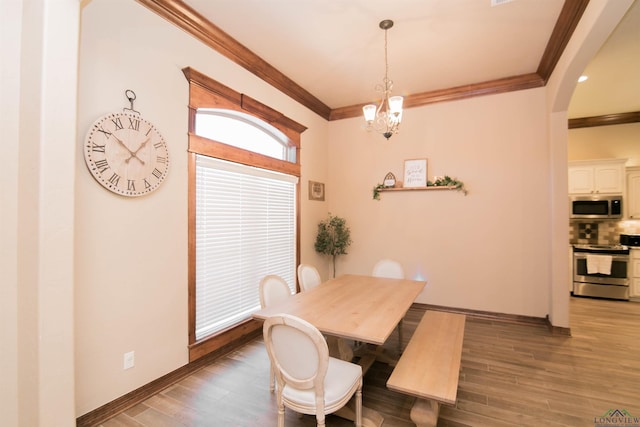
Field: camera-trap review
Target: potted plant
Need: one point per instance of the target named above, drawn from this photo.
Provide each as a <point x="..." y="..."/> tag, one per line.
<point x="333" y="238"/>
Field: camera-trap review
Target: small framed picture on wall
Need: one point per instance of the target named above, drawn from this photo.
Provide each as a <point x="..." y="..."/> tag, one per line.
<point x="415" y="173"/>
<point x="316" y="191"/>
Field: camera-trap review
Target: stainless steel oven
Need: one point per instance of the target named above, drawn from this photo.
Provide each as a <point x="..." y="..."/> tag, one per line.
<point x="601" y="271"/>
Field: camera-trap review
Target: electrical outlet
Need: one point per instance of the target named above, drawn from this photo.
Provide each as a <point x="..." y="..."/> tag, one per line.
<point x="129" y="360"/>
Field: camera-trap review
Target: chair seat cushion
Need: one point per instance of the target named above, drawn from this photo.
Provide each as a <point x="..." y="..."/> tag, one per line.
<point x="341" y="378"/>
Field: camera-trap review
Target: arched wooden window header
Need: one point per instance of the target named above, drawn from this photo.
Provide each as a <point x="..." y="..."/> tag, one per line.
<point x="204" y="92"/>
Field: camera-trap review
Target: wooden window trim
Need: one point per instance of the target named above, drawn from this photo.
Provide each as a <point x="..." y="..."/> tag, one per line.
<point x="204" y="92"/>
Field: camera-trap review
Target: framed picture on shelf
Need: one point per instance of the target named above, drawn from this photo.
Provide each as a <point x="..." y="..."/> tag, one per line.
<point x="415" y="173"/>
<point x="316" y="191"/>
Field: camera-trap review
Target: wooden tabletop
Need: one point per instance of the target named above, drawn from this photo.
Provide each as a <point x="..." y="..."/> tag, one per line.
<point x="361" y="308"/>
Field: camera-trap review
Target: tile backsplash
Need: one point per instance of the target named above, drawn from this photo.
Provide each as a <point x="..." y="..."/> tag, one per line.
<point x="600" y="232"/>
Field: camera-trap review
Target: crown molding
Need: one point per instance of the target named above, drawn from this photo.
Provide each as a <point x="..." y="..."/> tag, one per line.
<point x="492" y="87"/>
<point x="605" y="120"/>
<point x="186" y="18"/>
<point x="566" y="24"/>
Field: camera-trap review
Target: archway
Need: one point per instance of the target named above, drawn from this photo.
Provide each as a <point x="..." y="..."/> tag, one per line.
<point x="598" y="21"/>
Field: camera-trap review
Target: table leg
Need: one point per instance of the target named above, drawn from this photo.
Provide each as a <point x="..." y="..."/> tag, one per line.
<point x="378" y="352"/>
<point x="339" y="348"/>
<point x="425" y="413"/>
<point x="384" y="357"/>
<point x="370" y="418"/>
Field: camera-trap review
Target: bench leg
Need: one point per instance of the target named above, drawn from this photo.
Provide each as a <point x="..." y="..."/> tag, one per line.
<point x="425" y="413"/>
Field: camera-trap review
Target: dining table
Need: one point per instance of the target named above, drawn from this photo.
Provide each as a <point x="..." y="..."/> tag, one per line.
<point x="361" y="308"/>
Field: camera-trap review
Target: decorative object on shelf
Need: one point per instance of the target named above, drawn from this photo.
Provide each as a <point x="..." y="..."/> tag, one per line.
<point x="333" y="238"/>
<point x="386" y="117"/>
<point x="447" y="181"/>
<point x="126" y="153"/>
<point x="389" y="180"/>
<point x="316" y="191"/>
<point x="415" y="173"/>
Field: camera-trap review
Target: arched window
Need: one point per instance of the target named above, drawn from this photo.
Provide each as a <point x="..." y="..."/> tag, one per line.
<point x="244" y="131"/>
<point x="243" y="203"/>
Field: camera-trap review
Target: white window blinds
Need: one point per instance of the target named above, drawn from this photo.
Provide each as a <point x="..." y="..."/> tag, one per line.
<point x="245" y="229"/>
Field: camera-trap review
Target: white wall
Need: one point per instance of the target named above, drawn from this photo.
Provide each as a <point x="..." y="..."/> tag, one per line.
<point x="38" y="104"/>
<point x="484" y="251"/>
<point x="606" y="142"/>
<point x="131" y="257"/>
<point x="10" y="30"/>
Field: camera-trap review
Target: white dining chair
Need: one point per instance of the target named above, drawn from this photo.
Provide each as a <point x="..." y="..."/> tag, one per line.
<point x="388" y="268"/>
<point x="309" y="380"/>
<point x="391" y="269"/>
<point x="273" y="289"/>
<point x="308" y="277"/>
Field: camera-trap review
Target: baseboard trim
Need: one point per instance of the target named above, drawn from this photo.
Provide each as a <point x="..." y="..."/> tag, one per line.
<point x="501" y="317"/>
<point x="121" y="404"/>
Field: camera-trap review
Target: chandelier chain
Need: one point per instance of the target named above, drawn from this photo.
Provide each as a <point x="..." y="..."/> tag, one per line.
<point x="386" y="60"/>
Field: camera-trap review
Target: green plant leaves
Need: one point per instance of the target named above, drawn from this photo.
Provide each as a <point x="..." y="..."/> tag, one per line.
<point x="333" y="236"/>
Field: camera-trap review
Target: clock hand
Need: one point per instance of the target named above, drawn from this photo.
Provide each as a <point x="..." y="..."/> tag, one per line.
<point x="131" y="153"/>
<point x="122" y="143"/>
<point x="135" y="153"/>
<point x="141" y="145"/>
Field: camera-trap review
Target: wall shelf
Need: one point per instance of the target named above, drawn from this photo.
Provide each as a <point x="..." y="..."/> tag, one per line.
<point x="433" y="187"/>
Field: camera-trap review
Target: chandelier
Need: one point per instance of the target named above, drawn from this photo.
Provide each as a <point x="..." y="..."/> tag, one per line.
<point x="384" y="118"/>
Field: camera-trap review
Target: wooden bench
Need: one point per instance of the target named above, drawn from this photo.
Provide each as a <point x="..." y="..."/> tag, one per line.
<point x="430" y="365"/>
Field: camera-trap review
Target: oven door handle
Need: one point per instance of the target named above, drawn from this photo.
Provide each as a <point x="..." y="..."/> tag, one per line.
<point x="583" y="255"/>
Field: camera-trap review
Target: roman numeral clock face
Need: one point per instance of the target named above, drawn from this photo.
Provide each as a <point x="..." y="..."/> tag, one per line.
<point x="126" y="154"/>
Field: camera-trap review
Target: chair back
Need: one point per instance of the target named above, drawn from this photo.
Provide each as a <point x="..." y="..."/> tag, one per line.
<point x="298" y="353"/>
<point x="388" y="268"/>
<point x="308" y="277"/>
<point x="273" y="289"/>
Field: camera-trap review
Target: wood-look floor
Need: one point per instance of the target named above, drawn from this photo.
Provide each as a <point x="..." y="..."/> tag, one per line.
<point x="512" y="375"/>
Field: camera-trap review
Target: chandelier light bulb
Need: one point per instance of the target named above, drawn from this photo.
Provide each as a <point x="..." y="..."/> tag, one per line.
<point x="395" y="105"/>
<point x="369" y="112"/>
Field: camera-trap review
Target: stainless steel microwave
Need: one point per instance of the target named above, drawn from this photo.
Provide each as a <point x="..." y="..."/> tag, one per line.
<point x="596" y="207"/>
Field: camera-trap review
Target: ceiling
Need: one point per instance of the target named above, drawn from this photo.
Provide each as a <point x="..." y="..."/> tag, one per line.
<point x="613" y="84"/>
<point x="334" y="49"/>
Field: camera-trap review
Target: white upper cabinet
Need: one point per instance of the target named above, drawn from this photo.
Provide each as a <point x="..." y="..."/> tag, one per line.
<point x="633" y="195"/>
<point x="597" y="177"/>
<point x="581" y="179"/>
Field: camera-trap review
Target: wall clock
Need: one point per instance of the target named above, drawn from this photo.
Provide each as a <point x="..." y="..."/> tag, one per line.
<point x="126" y="154"/>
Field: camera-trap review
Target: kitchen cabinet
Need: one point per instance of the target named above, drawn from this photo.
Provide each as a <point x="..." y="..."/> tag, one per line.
<point x="597" y="177"/>
<point x="634" y="282"/>
<point x="633" y="193"/>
